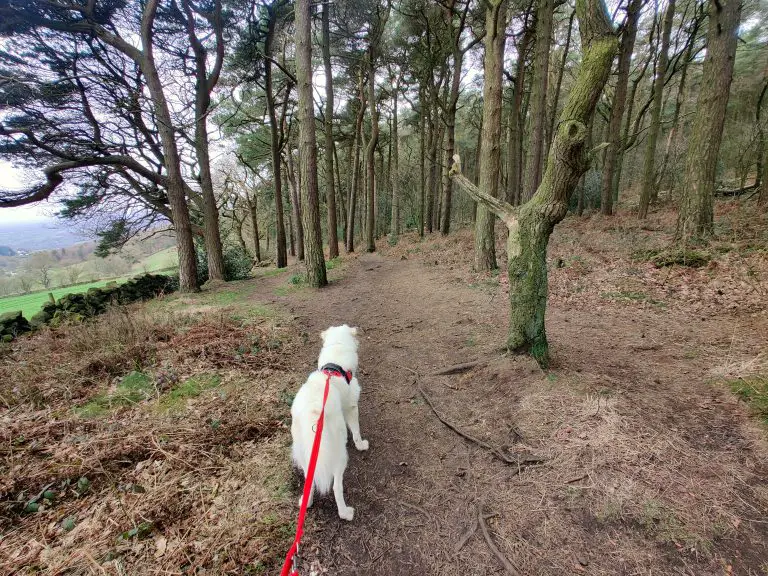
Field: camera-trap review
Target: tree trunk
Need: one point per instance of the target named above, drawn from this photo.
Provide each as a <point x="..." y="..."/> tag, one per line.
<point x="355" y="187"/>
<point x="252" y="210"/>
<point x="295" y="205"/>
<point x="281" y="254"/>
<point x="343" y="208"/>
<point x="422" y="159"/>
<point x="431" y="161"/>
<point x="450" y="123"/>
<point x="695" y="217"/>
<point x="333" y="240"/>
<point x="531" y="224"/>
<point x="370" y="159"/>
<point x="648" y="191"/>
<point x="495" y="26"/>
<point x="394" y="171"/>
<point x="534" y="161"/>
<point x="515" y="138"/>
<point x="617" y="109"/>
<point x="203" y="87"/>
<point x="559" y="83"/>
<point x="674" y="132"/>
<point x="313" y="241"/>
<point x="175" y="189"/>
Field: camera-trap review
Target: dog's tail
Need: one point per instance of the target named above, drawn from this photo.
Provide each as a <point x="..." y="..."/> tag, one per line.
<point x="305" y="412"/>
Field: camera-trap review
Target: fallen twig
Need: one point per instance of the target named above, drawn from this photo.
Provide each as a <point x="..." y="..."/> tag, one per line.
<point x="456" y="369"/>
<point x="508" y="566"/>
<point x="520" y="461"/>
<point x="467" y="535"/>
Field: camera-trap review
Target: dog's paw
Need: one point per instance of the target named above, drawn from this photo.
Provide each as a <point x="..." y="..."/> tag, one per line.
<point x="347" y="513"/>
<point x="301" y="499"/>
<point x="361" y="445"/>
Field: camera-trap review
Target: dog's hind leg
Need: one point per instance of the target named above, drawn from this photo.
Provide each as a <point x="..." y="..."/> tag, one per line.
<point x="345" y="512"/>
<point x="352" y="417"/>
<point x="311" y="496"/>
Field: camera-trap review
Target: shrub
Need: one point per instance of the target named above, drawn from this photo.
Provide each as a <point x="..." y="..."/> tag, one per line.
<point x="237" y="263"/>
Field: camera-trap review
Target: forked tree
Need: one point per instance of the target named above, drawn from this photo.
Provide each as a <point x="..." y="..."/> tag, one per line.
<point x="531" y="224"/>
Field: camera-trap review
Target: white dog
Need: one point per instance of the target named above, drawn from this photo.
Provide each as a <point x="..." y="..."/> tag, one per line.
<point x="338" y="355"/>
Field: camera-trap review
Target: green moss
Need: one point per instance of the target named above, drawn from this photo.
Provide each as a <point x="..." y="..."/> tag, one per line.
<point x="135" y="387"/>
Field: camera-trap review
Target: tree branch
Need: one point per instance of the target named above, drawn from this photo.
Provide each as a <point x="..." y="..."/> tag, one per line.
<point x="506" y="212"/>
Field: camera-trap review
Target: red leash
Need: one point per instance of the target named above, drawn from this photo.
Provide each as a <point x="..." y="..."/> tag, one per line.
<point x="289" y="566"/>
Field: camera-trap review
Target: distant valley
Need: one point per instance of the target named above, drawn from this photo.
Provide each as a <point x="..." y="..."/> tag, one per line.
<point x="34" y="236"/>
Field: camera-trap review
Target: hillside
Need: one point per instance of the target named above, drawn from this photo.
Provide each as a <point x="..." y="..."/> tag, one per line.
<point x="160" y="432"/>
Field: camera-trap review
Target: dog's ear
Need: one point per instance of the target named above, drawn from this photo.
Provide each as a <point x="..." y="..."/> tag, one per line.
<point x="323" y="334"/>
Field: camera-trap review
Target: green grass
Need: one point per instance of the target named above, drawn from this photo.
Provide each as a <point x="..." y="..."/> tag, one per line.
<point x="30" y="303"/>
<point x="176" y="399"/>
<point x="754" y="391"/>
<point x="162" y="260"/>
<point x="133" y="388"/>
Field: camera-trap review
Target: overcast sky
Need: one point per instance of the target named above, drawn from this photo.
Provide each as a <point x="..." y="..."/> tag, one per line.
<point x="10" y="179"/>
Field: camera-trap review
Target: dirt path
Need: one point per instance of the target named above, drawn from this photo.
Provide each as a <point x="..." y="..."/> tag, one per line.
<point x="649" y="469"/>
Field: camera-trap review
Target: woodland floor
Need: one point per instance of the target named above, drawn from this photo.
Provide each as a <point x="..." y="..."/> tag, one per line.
<point x="651" y="465"/>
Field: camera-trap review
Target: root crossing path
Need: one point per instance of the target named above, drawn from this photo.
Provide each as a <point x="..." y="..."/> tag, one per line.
<point x="647" y="466"/>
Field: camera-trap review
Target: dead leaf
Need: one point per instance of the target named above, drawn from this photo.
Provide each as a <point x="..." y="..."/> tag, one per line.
<point x="162" y="545"/>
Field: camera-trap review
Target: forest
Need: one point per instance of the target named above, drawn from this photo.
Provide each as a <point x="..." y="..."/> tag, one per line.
<point x="574" y="157"/>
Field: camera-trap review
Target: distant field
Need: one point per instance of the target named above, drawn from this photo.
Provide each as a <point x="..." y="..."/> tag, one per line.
<point x="30" y="304"/>
<point x="162" y="260"/>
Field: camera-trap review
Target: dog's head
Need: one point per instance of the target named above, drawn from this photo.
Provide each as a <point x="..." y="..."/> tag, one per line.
<point x="339" y="335"/>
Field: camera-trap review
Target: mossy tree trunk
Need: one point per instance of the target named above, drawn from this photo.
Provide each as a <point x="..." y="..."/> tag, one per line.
<point x="696" y="215"/>
<point x="495" y="24"/>
<point x="313" y="241"/>
<point x="531" y="224"/>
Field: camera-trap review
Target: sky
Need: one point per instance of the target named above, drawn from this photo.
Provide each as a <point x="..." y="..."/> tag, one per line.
<point x="11" y="178"/>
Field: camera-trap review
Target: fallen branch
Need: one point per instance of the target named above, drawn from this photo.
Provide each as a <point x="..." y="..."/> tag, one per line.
<point x="508" y="566"/>
<point x="520" y="461"/>
<point x="456" y="369"/>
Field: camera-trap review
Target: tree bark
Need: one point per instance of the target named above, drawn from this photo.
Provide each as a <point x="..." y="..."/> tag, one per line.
<point x="355" y="187"/>
<point x="394" y="171"/>
<point x="422" y="162"/>
<point x="531" y="224"/>
<point x="333" y="240"/>
<point x="204" y="84"/>
<point x="254" y="214"/>
<point x="559" y="83"/>
<point x="648" y="191"/>
<point x="281" y="255"/>
<point x="695" y="217"/>
<point x="295" y="206"/>
<point x="313" y="241"/>
<point x="617" y="109"/>
<point x="495" y="26"/>
<point x="534" y="161"/>
<point x="515" y="138"/>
